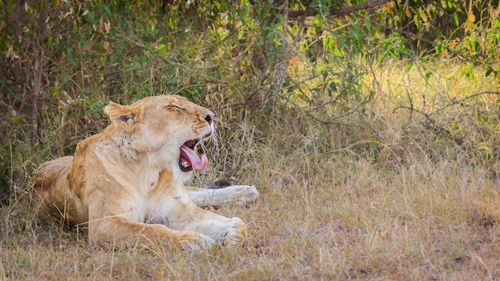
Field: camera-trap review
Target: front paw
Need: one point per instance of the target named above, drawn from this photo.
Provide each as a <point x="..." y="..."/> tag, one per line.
<point x="244" y="194"/>
<point x="194" y="242"/>
<point x="234" y="233"/>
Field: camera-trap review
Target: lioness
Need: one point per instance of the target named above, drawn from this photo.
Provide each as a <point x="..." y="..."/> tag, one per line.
<point x="127" y="182"/>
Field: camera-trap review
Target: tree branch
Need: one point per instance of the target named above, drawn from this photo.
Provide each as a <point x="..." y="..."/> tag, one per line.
<point x="282" y="64"/>
<point x="344" y="10"/>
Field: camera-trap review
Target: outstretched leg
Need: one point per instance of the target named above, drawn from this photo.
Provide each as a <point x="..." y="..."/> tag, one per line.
<point x="121" y="231"/>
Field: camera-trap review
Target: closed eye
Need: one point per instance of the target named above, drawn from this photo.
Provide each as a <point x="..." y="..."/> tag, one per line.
<point x="173" y="106"/>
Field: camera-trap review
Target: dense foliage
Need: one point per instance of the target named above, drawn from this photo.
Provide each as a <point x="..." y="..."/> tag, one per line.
<point x="62" y="61"/>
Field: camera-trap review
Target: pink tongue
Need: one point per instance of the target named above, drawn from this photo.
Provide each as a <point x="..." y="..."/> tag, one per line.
<point x="197" y="163"/>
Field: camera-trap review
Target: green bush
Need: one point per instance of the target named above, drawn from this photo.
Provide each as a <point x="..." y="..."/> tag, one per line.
<point x="62" y="61"/>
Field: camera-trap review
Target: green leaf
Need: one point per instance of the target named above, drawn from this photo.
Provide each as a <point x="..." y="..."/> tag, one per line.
<point x="107" y="9"/>
<point x="317" y="21"/>
<point x="409" y="65"/>
<point x="427" y="77"/>
<point x="455" y="19"/>
<point x="474" y="46"/>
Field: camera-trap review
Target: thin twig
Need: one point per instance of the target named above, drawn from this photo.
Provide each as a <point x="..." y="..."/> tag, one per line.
<point x="334" y="119"/>
<point x="466" y="98"/>
<point x="428" y="116"/>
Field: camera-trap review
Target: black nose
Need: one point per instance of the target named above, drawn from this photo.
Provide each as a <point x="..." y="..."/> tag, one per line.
<point x="209" y="118"/>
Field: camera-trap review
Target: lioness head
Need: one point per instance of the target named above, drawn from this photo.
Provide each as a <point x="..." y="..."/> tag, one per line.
<point x="168" y="128"/>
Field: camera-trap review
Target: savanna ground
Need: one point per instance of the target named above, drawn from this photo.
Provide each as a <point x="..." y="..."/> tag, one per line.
<point x="328" y="209"/>
<point x="403" y="185"/>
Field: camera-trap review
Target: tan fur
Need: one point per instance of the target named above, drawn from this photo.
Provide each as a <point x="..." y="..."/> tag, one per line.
<point x="125" y="182"/>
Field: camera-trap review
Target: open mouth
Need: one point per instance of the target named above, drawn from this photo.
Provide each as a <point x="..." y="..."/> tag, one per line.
<point x="189" y="159"/>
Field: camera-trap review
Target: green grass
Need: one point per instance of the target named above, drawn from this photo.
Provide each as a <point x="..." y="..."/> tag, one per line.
<point x="374" y="197"/>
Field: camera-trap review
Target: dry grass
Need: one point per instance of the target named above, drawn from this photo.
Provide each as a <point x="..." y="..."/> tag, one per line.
<point x="380" y="198"/>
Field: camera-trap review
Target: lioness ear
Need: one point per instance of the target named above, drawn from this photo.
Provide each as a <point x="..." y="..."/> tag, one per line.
<point x="120" y="113"/>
